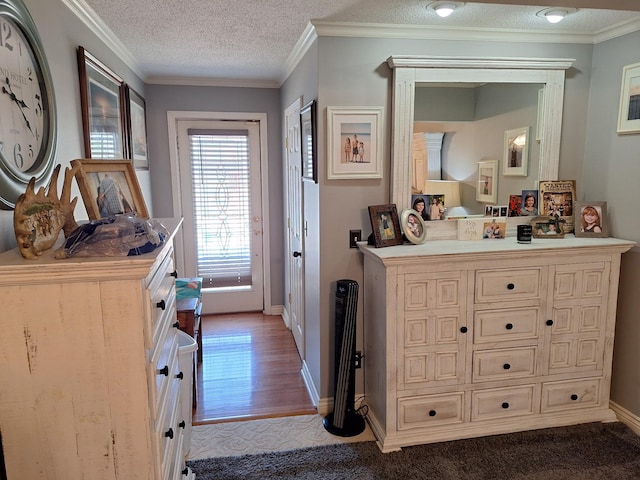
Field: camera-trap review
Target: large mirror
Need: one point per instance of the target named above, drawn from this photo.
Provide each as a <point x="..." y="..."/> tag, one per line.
<point x="421" y="87"/>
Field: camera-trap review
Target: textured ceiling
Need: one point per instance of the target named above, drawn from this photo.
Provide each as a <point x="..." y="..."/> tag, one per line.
<point x="251" y="40"/>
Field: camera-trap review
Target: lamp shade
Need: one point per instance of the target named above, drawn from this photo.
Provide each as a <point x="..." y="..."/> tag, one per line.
<point x="449" y="188"/>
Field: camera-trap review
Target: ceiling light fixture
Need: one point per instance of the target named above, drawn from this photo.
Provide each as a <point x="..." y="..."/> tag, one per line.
<point x="554" y="14"/>
<point x="444" y="8"/>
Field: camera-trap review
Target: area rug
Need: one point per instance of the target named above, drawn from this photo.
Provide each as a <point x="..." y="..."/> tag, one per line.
<point x="592" y="451"/>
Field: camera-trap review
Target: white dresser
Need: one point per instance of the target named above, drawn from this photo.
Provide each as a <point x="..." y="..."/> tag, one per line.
<point x="89" y="374"/>
<point x="471" y="338"/>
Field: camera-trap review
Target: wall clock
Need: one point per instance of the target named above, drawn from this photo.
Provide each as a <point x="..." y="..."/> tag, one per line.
<point x="27" y="105"/>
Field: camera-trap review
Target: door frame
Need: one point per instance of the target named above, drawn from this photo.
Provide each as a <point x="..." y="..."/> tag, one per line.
<point x="173" y="117"/>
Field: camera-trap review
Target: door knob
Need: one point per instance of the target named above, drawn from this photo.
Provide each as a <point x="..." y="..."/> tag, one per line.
<point x="297" y="254"/>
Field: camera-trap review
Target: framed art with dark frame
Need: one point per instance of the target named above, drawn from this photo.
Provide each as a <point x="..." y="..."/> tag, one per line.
<point x="487" y="190"/>
<point x="385" y="225"/>
<point x="354" y="142"/>
<point x="412" y="226"/>
<point x="136" y="119"/>
<point x="547" y="227"/>
<point x="591" y="219"/>
<point x="629" y="113"/>
<point x="109" y="187"/>
<point x="516" y="152"/>
<point x="102" y="101"/>
<point x="308" y="147"/>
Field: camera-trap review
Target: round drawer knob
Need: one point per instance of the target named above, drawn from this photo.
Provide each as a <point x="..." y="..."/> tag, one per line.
<point x="180" y="376"/>
<point x="176" y="325"/>
<point x="161" y="305"/>
<point x="574" y="397"/>
<point x="464" y="329"/>
<point x="509" y="326"/>
<point x="169" y="433"/>
<point x="505" y="405"/>
<point x="549" y="322"/>
<point x="164" y="371"/>
<point x="511" y="286"/>
<point x="182" y="424"/>
<point x="432" y="413"/>
<point x="506" y="366"/>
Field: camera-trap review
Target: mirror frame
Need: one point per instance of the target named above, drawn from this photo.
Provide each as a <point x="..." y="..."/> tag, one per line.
<point x="409" y="70"/>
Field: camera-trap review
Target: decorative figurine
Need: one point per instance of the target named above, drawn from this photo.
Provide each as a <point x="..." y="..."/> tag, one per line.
<point x="39" y="217"/>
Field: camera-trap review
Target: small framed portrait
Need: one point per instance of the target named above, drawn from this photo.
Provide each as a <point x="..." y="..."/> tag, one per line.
<point x="515" y="205"/>
<point x="385" y="225"/>
<point x="547" y="227"/>
<point x="420" y="203"/>
<point x="496" y="228"/>
<point x="529" y="207"/>
<point x="591" y="219"/>
<point x="412" y="226"/>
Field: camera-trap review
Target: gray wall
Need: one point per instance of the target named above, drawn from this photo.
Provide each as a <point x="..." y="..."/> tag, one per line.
<point x="61" y="33"/>
<point x="162" y="98"/>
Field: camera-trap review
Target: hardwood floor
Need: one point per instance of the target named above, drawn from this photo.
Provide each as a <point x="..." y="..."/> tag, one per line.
<point x="250" y="369"/>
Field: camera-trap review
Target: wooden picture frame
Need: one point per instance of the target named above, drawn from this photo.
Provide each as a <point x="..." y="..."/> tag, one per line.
<point x="487" y="191"/>
<point x="385" y="225"/>
<point x="547" y="227"/>
<point x="308" y="149"/>
<point x="136" y="120"/>
<point x="413" y="226"/>
<point x="516" y="152"/>
<point x="597" y="211"/>
<point x="348" y="125"/>
<point x="629" y="112"/>
<point x="94" y="175"/>
<point x="102" y="102"/>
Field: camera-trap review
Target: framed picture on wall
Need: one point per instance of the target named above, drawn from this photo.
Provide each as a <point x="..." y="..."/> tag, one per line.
<point x="136" y="128"/>
<point x="516" y="152"/>
<point x="308" y="146"/>
<point x="629" y="113"/>
<point x="487" y="190"/>
<point x="354" y="142"/>
<point x="102" y="101"/>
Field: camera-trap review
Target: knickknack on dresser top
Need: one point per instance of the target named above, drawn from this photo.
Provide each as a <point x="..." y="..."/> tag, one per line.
<point x="89" y="369"/>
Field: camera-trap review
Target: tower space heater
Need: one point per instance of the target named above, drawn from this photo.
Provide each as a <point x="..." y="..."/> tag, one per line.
<point x="344" y="420"/>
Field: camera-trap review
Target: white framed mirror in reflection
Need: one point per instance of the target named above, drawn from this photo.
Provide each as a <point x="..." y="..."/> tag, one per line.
<point x="488" y="80"/>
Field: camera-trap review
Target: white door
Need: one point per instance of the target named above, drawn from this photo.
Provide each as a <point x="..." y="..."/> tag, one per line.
<point x="295" y="260"/>
<point x="221" y="199"/>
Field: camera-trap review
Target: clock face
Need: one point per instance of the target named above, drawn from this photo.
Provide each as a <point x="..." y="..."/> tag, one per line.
<point x="22" y="103"/>
<point x="27" y="106"/>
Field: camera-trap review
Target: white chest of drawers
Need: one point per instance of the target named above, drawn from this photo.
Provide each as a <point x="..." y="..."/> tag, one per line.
<point x="464" y="339"/>
<point x="89" y="375"/>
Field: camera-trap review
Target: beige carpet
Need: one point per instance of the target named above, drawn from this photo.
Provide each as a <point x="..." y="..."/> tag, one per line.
<point x="264" y="436"/>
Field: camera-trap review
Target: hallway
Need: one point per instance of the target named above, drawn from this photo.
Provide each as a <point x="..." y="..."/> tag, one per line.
<point x="250" y="369"/>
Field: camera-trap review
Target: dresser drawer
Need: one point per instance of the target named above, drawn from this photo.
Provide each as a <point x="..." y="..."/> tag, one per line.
<point x="430" y="410"/>
<point x="506" y="325"/>
<point x="504" y="364"/>
<point x="161" y="300"/>
<point x="168" y="430"/>
<point x="504" y="402"/>
<point x="570" y="394"/>
<point x="505" y="285"/>
<point x="164" y="368"/>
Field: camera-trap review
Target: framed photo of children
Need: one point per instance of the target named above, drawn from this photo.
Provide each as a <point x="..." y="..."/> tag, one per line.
<point x="629" y="113"/>
<point x="546" y="227"/>
<point x="413" y="226"/>
<point x="487" y="190"/>
<point x="385" y="225"/>
<point x="591" y="219"/>
<point x="354" y="142"/>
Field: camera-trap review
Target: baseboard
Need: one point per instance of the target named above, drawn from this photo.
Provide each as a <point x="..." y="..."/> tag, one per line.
<point x="308" y="381"/>
<point x="286" y="318"/>
<point x="625" y="416"/>
<point x="273" y="310"/>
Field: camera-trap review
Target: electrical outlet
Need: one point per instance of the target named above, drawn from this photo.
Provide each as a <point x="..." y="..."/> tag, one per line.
<point x="354" y="236"/>
<point x="357" y="360"/>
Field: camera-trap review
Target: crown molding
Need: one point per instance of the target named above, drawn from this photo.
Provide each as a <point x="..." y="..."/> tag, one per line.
<point x="211" y="82"/>
<point x="90" y="18"/>
<point x="299" y="50"/>
<point x="623" y="28"/>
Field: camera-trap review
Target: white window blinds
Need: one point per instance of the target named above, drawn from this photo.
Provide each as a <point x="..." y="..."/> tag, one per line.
<point x="220" y="177"/>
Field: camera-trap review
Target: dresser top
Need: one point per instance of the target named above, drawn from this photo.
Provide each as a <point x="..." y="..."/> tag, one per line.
<point x="439" y="248"/>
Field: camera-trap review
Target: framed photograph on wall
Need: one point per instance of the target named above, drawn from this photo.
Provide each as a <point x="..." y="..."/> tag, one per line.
<point x="102" y="101"/>
<point x="136" y="119"/>
<point x="516" y="152"/>
<point x="412" y="226"/>
<point x="385" y="225"/>
<point x="487" y="190"/>
<point x="629" y="113"/>
<point x="591" y="219"/>
<point x="309" y="147"/>
<point x="109" y="187"/>
<point x="354" y="142"/>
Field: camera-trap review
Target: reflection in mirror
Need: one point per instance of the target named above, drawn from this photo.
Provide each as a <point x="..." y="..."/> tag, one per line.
<point x="457" y="126"/>
<point x="410" y="72"/>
